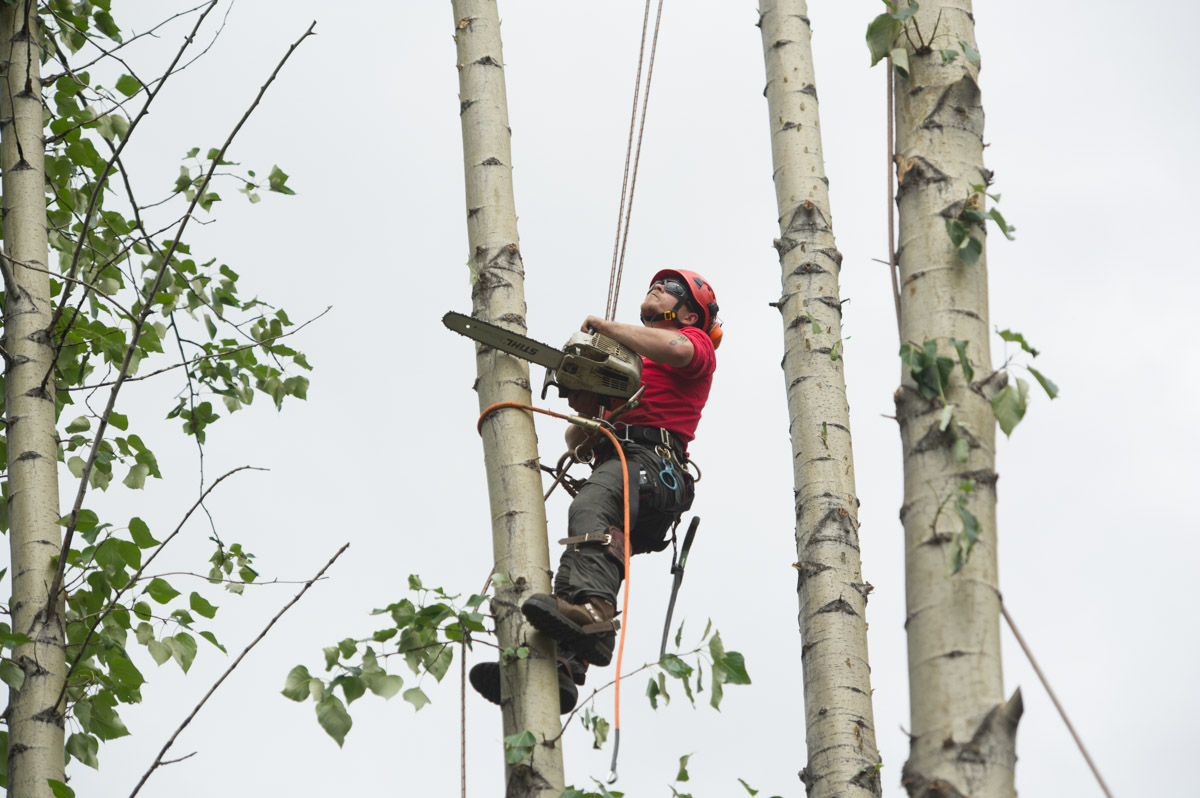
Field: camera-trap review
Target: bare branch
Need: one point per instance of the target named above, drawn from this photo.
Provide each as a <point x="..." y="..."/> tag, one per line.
<point x="159" y="759"/>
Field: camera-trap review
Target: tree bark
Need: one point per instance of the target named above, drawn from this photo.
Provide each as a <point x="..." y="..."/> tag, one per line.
<point x="842" y="756"/>
<point x="529" y="686"/>
<point x="962" y="730"/>
<point x="36" y="712"/>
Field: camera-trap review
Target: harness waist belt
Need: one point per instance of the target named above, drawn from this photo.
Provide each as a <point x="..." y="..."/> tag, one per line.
<point x="650" y="436"/>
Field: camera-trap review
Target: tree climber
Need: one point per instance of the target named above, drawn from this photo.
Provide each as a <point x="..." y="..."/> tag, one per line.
<point x="677" y="341"/>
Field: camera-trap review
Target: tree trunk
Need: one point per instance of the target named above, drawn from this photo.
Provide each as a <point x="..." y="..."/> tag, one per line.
<point x="530" y="686"/>
<point x="842" y="757"/>
<point x="35" y="715"/>
<point x="962" y="730"/>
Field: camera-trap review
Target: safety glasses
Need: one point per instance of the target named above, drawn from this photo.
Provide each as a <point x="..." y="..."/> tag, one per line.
<point x="674" y="288"/>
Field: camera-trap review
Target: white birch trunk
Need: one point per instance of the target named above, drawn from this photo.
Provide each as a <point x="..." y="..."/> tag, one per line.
<point x="840" y="728"/>
<point x="35" y="717"/>
<point x="962" y="729"/>
<point x="530" y="686"/>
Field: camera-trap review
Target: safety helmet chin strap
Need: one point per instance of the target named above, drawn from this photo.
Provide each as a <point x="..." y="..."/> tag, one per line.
<point x="670" y="315"/>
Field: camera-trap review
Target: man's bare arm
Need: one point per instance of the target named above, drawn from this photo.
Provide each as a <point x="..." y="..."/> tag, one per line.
<point x="670" y="347"/>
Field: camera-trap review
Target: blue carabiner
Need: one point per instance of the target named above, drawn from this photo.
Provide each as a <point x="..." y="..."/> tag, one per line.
<point x="667" y="475"/>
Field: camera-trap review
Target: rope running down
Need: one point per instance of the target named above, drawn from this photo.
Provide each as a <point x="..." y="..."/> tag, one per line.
<point x="623" y="214"/>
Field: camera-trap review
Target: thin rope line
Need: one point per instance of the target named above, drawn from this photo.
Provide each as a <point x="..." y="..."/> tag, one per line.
<point x="463" y="714"/>
<point x="1062" y="712"/>
<point x="891" y="173"/>
<point x="637" y="88"/>
<point x="614" y="282"/>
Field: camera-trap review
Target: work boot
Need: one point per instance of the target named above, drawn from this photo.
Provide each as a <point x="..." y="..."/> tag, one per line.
<point x="485" y="678"/>
<point x="588" y="627"/>
<point x="576" y="665"/>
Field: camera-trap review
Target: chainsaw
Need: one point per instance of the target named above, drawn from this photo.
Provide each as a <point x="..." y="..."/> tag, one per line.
<point x="589" y="361"/>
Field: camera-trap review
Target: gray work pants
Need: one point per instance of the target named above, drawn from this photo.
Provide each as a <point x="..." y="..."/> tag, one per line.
<point x="596" y="569"/>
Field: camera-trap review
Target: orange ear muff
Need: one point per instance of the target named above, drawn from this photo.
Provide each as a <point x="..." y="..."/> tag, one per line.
<point x="716" y="334"/>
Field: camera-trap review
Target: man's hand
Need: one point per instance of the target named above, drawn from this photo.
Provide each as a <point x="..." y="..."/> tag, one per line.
<point x="585" y="403"/>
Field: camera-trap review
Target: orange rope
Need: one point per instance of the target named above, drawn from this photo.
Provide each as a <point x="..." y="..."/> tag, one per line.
<point x="628" y="544"/>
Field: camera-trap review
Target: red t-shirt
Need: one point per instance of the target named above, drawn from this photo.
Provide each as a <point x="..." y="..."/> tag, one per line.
<point x="674" y="397"/>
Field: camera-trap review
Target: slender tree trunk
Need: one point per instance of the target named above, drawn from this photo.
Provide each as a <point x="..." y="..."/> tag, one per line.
<point x="962" y="730"/>
<point x="35" y="715"/>
<point x="530" y="686"/>
<point x="842" y="757"/>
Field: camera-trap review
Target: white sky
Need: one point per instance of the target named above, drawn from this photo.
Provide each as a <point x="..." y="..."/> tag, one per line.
<point x="1091" y="120"/>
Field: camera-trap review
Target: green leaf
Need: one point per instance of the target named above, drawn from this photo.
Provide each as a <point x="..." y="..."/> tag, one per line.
<point x="277" y="181"/>
<point x="1016" y="337"/>
<point x="962" y="449"/>
<point x="295" y="686"/>
<point x="439" y="663"/>
<point x="969" y="253"/>
<point x="136" y="479"/>
<point x="957" y="231"/>
<point x="682" y="775"/>
<point x="970" y="52"/>
<point x="210" y="637"/>
<point x="119" y="421"/>
<point x="12" y="674"/>
<point x="1047" y="385"/>
<point x="385" y="685"/>
<point x="598" y="726"/>
<point x="334" y="719"/>
<point x="141" y="534"/>
<point x="84" y="747"/>
<point x="734" y="667"/>
<point x="749" y="789"/>
<point x="201" y="606"/>
<point x="161" y="591"/>
<point x="59" y="789"/>
<point x="159" y="650"/>
<point x="183" y="649"/>
<point x="963" y="360"/>
<point x="676" y="667"/>
<point x="416" y="697"/>
<point x="353" y="687"/>
<point x="881" y="33"/>
<point x="80" y="424"/>
<point x="518" y="746"/>
<point x="907" y="12"/>
<point x="948" y="56"/>
<point x="76" y="465"/>
<point x="652" y="692"/>
<point x="1009" y="405"/>
<point x="128" y="85"/>
<point x="899" y="58"/>
<point x="1003" y="225"/>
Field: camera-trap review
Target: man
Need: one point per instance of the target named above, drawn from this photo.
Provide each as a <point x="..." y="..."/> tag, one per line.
<point x="677" y="341"/>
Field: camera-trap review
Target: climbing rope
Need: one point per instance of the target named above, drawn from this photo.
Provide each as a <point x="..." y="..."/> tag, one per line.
<point x="623" y="213"/>
<point x="595" y="426"/>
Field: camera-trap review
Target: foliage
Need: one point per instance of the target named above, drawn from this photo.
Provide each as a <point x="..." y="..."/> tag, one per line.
<point x="132" y="298"/>
<point x="423" y="632"/>
<point x="961" y="232"/>
<point x="885" y="29"/>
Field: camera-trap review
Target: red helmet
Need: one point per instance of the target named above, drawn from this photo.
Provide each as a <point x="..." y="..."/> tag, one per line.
<point x="703" y="299"/>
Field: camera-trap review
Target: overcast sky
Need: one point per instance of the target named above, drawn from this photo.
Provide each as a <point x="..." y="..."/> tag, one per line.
<point x="1091" y="119"/>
